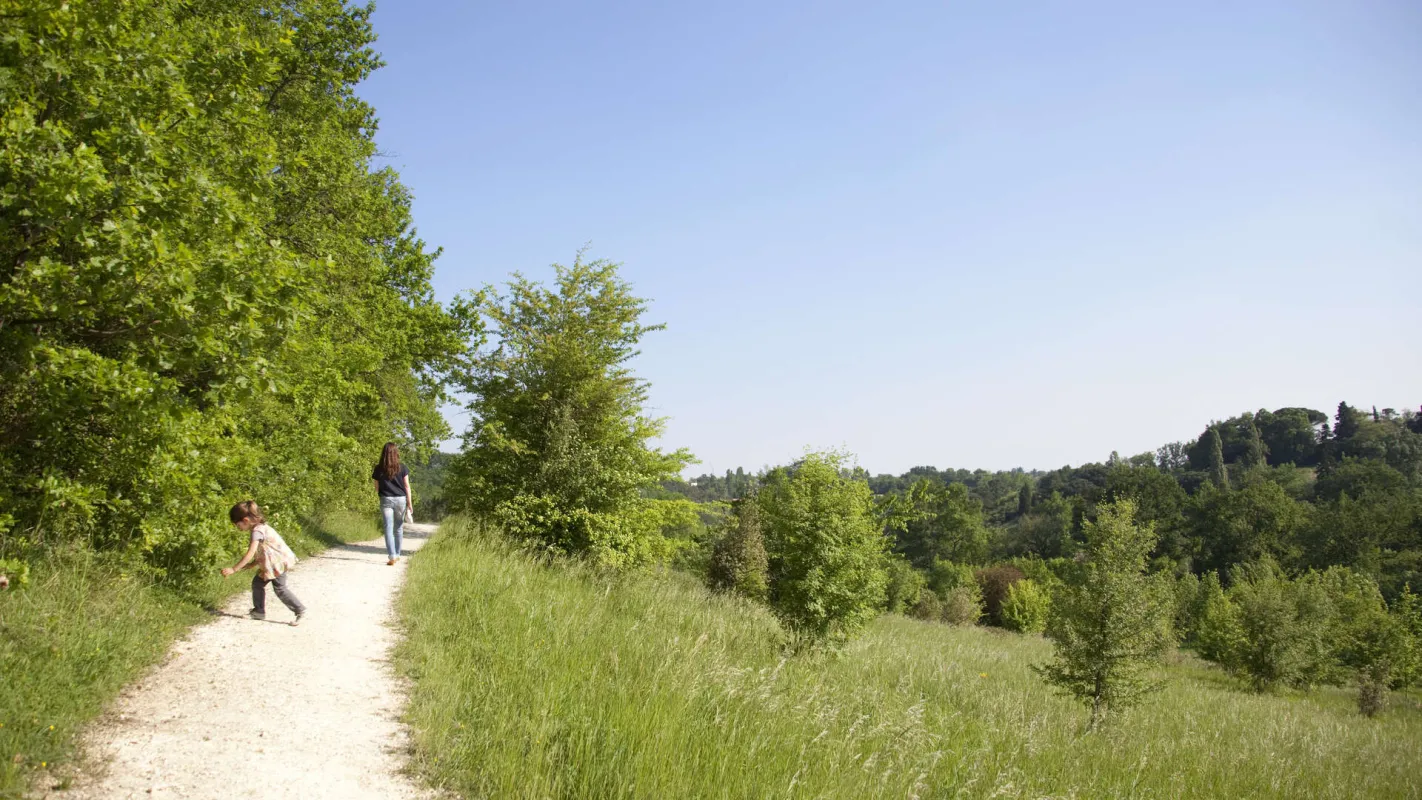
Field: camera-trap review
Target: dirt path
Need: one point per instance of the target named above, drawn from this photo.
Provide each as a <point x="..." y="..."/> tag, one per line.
<point x="261" y="709"/>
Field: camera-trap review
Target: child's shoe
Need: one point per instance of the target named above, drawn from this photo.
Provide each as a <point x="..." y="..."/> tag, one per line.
<point x="257" y="615"/>
<point x="297" y="621"/>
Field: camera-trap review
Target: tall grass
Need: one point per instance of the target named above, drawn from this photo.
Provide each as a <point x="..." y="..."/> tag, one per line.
<point x="562" y="681"/>
<point x="86" y="626"/>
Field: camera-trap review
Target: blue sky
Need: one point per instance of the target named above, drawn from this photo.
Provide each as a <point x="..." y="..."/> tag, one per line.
<point x="958" y="234"/>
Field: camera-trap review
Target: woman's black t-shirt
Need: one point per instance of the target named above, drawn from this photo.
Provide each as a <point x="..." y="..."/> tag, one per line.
<point x="391" y="487"/>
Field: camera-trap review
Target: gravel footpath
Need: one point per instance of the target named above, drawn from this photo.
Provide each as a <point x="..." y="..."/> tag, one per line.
<point x="242" y="708"/>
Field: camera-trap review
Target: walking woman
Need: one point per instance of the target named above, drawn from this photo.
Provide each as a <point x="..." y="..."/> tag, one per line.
<point x="392" y="482"/>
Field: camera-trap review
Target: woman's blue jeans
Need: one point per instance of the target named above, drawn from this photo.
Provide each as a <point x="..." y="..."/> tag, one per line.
<point x="393" y="510"/>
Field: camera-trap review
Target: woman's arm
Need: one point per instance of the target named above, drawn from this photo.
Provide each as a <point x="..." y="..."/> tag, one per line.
<point x="247" y="559"/>
<point x="409" y="496"/>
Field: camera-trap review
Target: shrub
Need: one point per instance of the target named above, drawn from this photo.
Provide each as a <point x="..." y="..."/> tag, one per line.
<point x="1216" y="629"/>
<point x="1379" y="646"/>
<point x="1381" y="651"/>
<point x="738" y="562"/>
<point x="825" y="548"/>
<point x="14" y="574"/>
<point x="1285" y="628"/>
<point x="1026" y="607"/>
<point x="946" y="575"/>
<point x="962" y="606"/>
<point x="995" y="581"/>
<point x="1186" y="591"/>
<point x="1039" y="571"/>
<point x="928" y="608"/>
<point x="1269" y="651"/>
<point x="905" y="584"/>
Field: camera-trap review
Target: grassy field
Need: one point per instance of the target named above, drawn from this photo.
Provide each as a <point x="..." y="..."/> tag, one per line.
<point x="559" y="681"/>
<point x="83" y="629"/>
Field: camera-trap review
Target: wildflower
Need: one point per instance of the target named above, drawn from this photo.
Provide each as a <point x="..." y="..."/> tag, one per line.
<point x="982" y="674"/>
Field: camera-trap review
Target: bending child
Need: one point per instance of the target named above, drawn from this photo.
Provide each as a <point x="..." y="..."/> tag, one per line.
<point x="268" y="552"/>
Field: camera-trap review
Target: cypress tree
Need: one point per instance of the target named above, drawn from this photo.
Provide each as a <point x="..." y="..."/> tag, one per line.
<point x="1254" y="447"/>
<point x="1218" y="474"/>
<point x="1348" y="421"/>
<point x="1024" y="500"/>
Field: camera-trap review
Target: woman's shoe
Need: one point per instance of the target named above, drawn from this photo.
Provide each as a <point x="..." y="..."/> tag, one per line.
<point x="390" y="563"/>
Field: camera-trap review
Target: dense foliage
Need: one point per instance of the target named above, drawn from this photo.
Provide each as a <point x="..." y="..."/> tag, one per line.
<point x="207" y="291"/>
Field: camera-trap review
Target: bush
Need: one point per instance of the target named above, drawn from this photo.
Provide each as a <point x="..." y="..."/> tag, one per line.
<point x="1039" y="571"/>
<point x="1269" y="651"/>
<point x="962" y="606"/>
<point x="995" y="581"/>
<point x="905" y="585"/>
<point x="1216" y="628"/>
<point x="1026" y="608"/>
<point x="1381" y="651"/>
<point x="928" y="608"/>
<point x="1186" y="590"/>
<point x="738" y="562"/>
<point x="1286" y="628"/>
<point x="946" y="575"/>
<point x="1379" y="646"/>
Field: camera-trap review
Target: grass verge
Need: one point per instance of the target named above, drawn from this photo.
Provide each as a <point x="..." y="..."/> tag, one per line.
<point x="561" y="681"/>
<point x="84" y="628"/>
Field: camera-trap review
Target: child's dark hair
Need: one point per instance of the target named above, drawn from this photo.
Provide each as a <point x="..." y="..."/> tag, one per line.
<point x="247" y="509"/>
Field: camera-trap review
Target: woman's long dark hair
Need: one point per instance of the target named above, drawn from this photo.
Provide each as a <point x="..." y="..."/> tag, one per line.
<point x="389" y="465"/>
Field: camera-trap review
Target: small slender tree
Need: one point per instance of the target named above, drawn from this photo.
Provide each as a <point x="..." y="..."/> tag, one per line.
<point x="1024" y="500"/>
<point x="1113" y="627"/>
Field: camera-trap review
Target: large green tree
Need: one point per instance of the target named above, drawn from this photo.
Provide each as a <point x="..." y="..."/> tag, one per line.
<point x="932" y="521"/>
<point x="206" y="291"/>
<point x="557" y="450"/>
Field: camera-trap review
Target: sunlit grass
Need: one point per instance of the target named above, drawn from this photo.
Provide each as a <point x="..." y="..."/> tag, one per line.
<point x="85" y="627"/>
<point x="562" y="681"/>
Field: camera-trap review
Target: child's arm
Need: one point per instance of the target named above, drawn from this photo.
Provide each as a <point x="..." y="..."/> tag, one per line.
<point x="246" y="560"/>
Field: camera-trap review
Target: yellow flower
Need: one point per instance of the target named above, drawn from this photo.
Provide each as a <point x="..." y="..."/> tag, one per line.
<point x="982" y="674"/>
<point x="51" y="727"/>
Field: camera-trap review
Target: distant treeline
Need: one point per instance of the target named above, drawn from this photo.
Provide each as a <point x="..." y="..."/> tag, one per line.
<point x="1292" y="485"/>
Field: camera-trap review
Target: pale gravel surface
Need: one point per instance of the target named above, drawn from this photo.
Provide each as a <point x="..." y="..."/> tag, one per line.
<point x="261" y="709"/>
